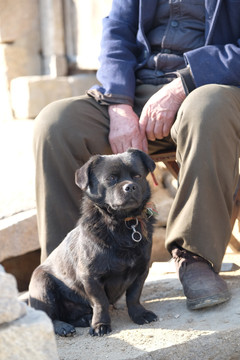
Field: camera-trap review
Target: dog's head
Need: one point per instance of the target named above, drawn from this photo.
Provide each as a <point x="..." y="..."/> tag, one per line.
<point x="117" y="182"/>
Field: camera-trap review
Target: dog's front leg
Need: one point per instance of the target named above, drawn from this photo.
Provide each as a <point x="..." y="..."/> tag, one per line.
<point x="136" y="311"/>
<point x="101" y="323"/>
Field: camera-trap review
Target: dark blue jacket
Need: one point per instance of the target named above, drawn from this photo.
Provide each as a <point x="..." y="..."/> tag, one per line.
<point x="125" y="47"/>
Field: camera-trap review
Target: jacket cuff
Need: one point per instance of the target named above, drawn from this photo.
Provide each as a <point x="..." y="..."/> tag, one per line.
<point x="109" y="99"/>
<point x="187" y="79"/>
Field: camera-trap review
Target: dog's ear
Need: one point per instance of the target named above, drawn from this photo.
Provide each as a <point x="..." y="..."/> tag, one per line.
<point x="82" y="175"/>
<point x="147" y="161"/>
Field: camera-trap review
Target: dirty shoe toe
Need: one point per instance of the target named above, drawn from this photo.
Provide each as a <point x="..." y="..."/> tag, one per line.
<point x="201" y="285"/>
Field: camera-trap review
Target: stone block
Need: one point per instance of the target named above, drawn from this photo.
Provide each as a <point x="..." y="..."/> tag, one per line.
<point x="30" y="337"/>
<point x="20" y="20"/>
<point x="10" y="308"/>
<point x="31" y="94"/>
<point x="19" y="61"/>
<point x="25" y="333"/>
<point x="18" y="234"/>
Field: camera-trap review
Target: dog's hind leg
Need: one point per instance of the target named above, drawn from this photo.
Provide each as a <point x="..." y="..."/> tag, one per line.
<point x="42" y="292"/>
<point x="43" y="296"/>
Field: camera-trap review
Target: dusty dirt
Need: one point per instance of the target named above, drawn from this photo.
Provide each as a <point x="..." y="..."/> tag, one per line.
<point x="178" y="334"/>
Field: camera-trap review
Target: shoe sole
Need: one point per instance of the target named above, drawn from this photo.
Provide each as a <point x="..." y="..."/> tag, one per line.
<point x="208" y="302"/>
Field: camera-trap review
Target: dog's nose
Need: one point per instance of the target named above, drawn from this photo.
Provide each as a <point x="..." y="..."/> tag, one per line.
<point x="129" y="187"/>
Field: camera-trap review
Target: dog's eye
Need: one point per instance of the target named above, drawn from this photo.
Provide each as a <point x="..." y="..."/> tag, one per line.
<point x="137" y="176"/>
<point x="111" y="178"/>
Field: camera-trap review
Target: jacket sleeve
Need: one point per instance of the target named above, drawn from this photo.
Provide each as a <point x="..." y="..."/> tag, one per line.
<point x="118" y="56"/>
<point x="214" y="64"/>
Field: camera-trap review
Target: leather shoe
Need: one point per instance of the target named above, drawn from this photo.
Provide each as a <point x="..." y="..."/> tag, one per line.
<point x="202" y="286"/>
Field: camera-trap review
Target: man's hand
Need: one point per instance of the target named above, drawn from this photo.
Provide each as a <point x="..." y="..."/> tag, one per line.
<point x="160" y="110"/>
<point x="124" y="129"/>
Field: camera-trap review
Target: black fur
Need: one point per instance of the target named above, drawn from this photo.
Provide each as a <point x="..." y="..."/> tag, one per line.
<point x="99" y="261"/>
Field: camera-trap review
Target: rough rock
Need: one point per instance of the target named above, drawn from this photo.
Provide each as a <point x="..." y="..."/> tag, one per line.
<point x="10" y="308"/>
<point x="18" y="61"/>
<point x="19" y="234"/>
<point x="30" y="337"/>
<point x="25" y="333"/>
<point x="19" y="19"/>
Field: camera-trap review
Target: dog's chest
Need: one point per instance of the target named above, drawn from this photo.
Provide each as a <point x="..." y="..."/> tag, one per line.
<point x="122" y="272"/>
<point x="126" y="261"/>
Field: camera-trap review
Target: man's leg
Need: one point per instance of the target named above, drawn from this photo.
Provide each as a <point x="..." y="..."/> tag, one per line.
<point x="206" y="131"/>
<point x="67" y="133"/>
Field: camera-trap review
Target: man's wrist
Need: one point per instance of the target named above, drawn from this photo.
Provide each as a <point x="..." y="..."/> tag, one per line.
<point x="119" y="108"/>
<point x="187" y="79"/>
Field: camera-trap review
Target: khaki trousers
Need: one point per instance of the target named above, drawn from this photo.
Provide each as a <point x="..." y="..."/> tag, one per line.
<point x="206" y="133"/>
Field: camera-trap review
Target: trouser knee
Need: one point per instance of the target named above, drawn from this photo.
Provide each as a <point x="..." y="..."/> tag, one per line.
<point x="74" y="123"/>
<point x="207" y="119"/>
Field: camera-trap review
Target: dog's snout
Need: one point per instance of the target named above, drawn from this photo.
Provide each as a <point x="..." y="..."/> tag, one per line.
<point x="129" y="187"/>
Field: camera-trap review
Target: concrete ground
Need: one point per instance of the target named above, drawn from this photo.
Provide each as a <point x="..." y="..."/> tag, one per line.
<point x="178" y="333"/>
<point x="213" y="333"/>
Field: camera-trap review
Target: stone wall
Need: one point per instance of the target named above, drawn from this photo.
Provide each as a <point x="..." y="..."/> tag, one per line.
<point x="46" y="37"/>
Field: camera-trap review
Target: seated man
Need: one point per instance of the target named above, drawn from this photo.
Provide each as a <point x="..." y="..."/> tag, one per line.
<point x="170" y="77"/>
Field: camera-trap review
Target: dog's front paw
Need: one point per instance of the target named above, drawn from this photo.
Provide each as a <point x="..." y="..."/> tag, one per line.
<point x="143" y="317"/>
<point x="63" y="329"/>
<point x="100" y="330"/>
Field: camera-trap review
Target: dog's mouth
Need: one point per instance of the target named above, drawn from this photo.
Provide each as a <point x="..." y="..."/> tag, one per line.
<point x="125" y="205"/>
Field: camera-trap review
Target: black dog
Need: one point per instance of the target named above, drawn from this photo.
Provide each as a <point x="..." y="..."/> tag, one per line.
<point x="107" y="254"/>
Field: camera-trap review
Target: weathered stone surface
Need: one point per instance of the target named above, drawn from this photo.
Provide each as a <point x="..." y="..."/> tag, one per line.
<point x="19" y="61"/>
<point x="19" y="20"/>
<point x="30" y="337"/>
<point x="25" y="333"/>
<point x="18" y="234"/>
<point x="31" y="94"/>
<point x="10" y="308"/>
